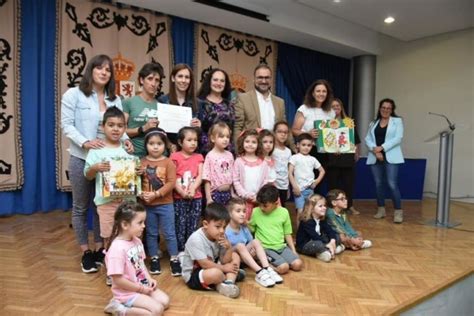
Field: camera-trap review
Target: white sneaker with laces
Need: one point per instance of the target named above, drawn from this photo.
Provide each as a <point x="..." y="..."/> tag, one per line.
<point x="324" y="256"/>
<point x="366" y="244"/>
<point x="264" y="278"/>
<point x="275" y="276"/>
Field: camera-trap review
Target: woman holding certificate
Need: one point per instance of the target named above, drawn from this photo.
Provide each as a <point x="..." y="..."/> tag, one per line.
<point x="316" y="106"/>
<point x="215" y="104"/>
<point x="181" y="93"/>
<point x="138" y="108"/>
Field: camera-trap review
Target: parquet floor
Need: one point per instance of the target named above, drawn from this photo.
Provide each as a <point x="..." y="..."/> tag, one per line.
<point x="40" y="273"/>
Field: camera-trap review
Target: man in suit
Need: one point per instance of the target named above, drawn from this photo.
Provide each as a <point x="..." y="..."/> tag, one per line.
<point x="259" y="108"/>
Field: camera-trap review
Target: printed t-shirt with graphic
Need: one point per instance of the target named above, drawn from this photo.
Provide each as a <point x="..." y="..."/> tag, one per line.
<point x="126" y="258"/>
<point x="138" y="111"/>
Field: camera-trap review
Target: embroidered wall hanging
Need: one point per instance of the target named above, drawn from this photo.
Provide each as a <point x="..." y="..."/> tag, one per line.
<point x="11" y="160"/>
<point x="130" y="37"/>
<point x="237" y="53"/>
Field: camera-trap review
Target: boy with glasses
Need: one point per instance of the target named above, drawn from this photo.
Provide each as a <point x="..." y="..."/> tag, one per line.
<point x="337" y="218"/>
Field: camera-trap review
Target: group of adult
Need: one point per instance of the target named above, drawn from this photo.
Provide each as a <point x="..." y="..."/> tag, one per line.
<point x="83" y="107"/>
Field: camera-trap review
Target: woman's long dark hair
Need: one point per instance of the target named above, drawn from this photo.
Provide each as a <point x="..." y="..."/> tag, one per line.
<point x="205" y="89"/>
<point x="86" y="82"/>
<point x="126" y="212"/>
<point x="388" y="100"/>
<point x="309" y="99"/>
<point x="173" y="98"/>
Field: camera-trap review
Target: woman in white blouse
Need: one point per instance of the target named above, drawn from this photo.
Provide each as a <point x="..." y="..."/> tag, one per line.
<point x="316" y="106"/>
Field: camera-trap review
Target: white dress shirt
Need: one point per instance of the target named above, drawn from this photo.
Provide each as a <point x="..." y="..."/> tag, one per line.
<point x="267" y="112"/>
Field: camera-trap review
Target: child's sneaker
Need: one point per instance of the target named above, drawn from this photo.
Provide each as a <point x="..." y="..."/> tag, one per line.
<point x="155" y="267"/>
<point x="275" y="276"/>
<point x="264" y="278"/>
<point x="108" y="280"/>
<point x="115" y="308"/>
<point x="366" y="244"/>
<point x="240" y="275"/>
<point x="175" y="267"/>
<point x="88" y="262"/>
<point x="324" y="256"/>
<point x="228" y="289"/>
<point x="99" y="256"/>
<point x="340" y="248"/>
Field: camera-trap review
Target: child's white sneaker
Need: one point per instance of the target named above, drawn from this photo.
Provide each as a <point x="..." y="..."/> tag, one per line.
<point x="264" y="278"/>
<point x="115" y="308"/>
<point x="228" y="289"/>
<point x="324" y="256"/>
<point x="275" y="276"/>
<point x="366" y="244"/>
<point x="340" y="248"/>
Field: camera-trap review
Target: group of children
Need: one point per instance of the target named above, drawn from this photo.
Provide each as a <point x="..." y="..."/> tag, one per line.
<point x="243" y="196"/>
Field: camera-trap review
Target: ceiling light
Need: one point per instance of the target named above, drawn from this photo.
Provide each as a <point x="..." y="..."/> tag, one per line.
<point x="336" y="1"/>
<point x="389" y="19"/>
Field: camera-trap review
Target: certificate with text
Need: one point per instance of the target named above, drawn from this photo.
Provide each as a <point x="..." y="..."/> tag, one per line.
<point x="173" y="117"/>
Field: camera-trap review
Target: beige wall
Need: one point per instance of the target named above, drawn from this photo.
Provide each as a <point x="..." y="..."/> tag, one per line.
<point x="434" y="74"/>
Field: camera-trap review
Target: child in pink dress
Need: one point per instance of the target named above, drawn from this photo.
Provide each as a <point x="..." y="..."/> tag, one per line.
<point x="251" y="171"/>
<point x="217" y="170"/>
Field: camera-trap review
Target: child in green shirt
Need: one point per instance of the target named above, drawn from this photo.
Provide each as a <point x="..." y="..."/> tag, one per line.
<point x="272" y="227"/>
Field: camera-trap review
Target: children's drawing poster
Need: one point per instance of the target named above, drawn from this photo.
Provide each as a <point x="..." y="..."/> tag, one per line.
<point x="122" y="179"/>
<point x="335" y="136"/>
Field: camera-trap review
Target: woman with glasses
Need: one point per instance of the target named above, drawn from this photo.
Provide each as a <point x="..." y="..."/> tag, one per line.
<point x="385" y="156"/>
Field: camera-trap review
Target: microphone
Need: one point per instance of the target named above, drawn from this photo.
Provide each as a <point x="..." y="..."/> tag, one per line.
<point x="451" y="125"/>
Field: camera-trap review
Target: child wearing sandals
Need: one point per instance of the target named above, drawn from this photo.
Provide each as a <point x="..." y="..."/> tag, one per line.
<point x="315" y="237"/>
<point x="135" y="292"/>
<point x="247" y="247"/>
<point x="339" y="221"/>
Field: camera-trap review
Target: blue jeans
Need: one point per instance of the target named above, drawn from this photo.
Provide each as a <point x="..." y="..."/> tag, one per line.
<point x="385" y="171"/>
<point x="161" y="216"/>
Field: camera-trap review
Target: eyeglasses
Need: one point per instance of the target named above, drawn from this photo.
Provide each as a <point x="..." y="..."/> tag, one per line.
<point x="341" y="199"/>
<point x="261" y="78"/>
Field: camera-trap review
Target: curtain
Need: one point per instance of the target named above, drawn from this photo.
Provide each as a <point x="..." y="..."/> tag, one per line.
<point x="38" y="37"/>
<point x="182" y="32"/>
<point x="300" y="67"/>
<point x="283" y="92"/>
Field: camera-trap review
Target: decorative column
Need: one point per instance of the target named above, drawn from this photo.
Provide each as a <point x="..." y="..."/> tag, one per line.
<point x="363" y="94"/>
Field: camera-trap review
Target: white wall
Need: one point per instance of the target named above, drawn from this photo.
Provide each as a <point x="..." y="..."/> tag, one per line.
<point x="434" y="74"/>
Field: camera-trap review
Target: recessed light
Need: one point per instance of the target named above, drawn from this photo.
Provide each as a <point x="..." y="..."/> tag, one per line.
<point x="389" y="19"/>
<point x="336" y="1"/>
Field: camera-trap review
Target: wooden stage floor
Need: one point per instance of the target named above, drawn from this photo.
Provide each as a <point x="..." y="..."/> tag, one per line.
<point x="40" y="272"/>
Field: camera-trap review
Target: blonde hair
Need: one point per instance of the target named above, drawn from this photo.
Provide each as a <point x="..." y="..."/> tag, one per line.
<point x="309" y="205"/>
<point x="217" y="130"/>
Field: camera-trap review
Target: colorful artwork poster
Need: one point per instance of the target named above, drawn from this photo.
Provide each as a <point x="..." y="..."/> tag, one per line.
<point x="335" y="136"/>
<point x="122" y="179"/>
